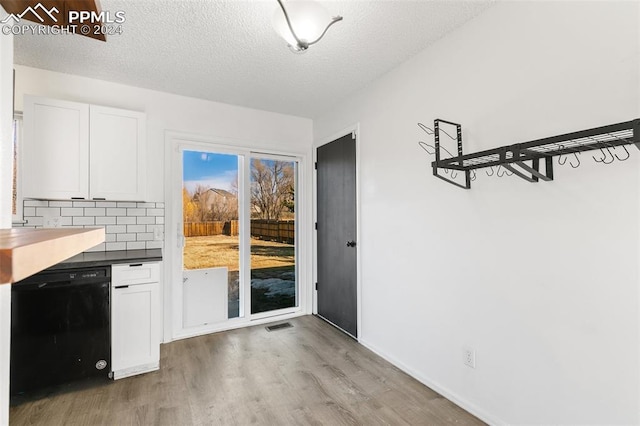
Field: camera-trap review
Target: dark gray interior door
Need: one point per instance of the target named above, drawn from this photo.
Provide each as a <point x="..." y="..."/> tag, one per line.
<point x="337" y="291"/>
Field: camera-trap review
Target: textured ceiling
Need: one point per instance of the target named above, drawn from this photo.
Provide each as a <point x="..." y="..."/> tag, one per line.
<point x="227" y="51"/>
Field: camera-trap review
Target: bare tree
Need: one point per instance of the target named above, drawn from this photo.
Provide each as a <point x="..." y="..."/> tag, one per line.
<point x="202" y="199"/>
<point x="272" y="184"/>
<point x="224" y="205"/>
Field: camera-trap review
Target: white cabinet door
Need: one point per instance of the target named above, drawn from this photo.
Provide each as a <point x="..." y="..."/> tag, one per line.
<point x="135" y="322"/>
<point x="117" y="152"/>
<point x="55" y="149"/>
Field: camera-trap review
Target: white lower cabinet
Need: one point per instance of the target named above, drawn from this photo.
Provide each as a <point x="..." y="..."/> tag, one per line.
<point x="135" y="319"/>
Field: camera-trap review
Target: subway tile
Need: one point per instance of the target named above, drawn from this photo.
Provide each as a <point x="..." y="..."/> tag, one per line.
<point x="84" y="204"/>
<point x="124" y="220"/>
<point x="160" y="220"/>
<point x="106" y="204"/>
<point x="116" y="212"/>
<point x="126" y="237"/>
<point x="115" y="229"/>
<point x="135" y="245"/>
<point x="146" y="205"/>
<point x="126" y="204"/>
<point x="66" y="221"/>
<point x="95" y="211"/>
<point x="36" y="203"/>
<point x="135" y="212"/>
<point x="81" y="220"/>
<point x="146" y="220"/>
<point x="145" y="236"/>
<point x="109" y="238"/>
<point x="34" y="220"/>
<point x="154" y="244"/>
<point x="136" y="228"/>
<point x="60" y="204"/>
<point x="28" y="211"/>
<point x="72" y="211"/>
<point x="155" y="212"/>
<point x="99" y="247"/>
<point x="106" y="220"/>
<point x="116" y="246"/>
<point x="160" y="205"/>
<point x="48" y="211"/>
<point x="152" y="228"/>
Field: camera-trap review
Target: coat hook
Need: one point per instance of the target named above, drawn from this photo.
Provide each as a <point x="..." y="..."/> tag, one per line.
<point x="562" y="163"/>
<point x="426" y="129"/>
<point x="428" y="148"/>
<point x="492" y="172"/>
<point x="604" y="156"/>
<point x="625" y="158"/>
<point x="577" y="159"/>
<point x="612" y="157"/>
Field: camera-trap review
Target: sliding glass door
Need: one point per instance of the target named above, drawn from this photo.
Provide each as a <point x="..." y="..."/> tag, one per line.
<point x="239" y="231"/>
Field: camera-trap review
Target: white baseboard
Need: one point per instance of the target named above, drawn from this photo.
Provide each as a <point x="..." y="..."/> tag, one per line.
<point x="451" y="396"/>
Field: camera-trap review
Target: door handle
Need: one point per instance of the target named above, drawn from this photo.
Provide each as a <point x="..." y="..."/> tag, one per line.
<point x="351" y="243"/>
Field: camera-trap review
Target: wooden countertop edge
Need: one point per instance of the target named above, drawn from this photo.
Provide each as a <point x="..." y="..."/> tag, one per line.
<point x="24" y="252"/>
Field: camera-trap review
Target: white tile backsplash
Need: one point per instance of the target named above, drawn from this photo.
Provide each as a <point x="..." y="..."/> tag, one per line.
<point x="128" y="225"/>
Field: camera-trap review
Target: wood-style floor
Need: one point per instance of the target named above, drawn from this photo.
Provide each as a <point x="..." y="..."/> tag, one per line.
<point x="310" y="374"/>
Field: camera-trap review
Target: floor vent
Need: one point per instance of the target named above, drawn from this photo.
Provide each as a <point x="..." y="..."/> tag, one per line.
<point x="278" y="326"/>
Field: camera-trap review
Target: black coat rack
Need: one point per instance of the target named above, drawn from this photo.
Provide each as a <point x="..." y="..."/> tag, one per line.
<point x="513" y="158"/>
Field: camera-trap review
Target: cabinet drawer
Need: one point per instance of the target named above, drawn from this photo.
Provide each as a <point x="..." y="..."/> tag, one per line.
<point x="135" y="273"/>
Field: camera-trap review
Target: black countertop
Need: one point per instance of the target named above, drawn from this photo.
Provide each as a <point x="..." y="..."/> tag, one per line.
<point x="105" y="258"/>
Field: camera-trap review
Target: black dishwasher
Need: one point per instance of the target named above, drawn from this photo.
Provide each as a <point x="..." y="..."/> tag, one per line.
<point x="60" y="328"/>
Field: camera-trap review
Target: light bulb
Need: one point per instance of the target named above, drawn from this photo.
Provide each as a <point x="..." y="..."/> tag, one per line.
<point x="308" y="19"/>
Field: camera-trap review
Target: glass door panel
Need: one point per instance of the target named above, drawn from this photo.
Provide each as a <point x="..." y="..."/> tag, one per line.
<point x="273" y="234"/>
<point x="211" y="255"/>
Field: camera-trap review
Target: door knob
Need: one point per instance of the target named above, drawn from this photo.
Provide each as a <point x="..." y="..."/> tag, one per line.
<point x="351" y="243"/>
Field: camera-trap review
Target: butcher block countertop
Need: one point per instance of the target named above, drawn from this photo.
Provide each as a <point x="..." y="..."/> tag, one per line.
<point x="26" y="251"/>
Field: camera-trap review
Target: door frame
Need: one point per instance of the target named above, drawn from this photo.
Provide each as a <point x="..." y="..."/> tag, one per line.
<point x="355" y="128"/>
<point x="172" y="290"/>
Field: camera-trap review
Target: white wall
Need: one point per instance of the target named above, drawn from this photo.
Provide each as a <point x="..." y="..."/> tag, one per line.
<point x="6" y="161"/>
<point x="259" y="129"/>
<point x="540" y="279"/>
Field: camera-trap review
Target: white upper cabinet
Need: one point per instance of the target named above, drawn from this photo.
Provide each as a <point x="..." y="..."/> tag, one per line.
<point x="55" y="149"/>
<point x="81" y="151"/>
<point x="117" y="154"/>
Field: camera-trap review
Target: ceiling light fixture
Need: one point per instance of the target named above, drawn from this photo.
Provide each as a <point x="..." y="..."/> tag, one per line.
<point x="309" y="20"/>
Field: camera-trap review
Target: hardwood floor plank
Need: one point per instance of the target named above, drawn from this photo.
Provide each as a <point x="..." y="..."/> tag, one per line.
<point x="310" y="374"/>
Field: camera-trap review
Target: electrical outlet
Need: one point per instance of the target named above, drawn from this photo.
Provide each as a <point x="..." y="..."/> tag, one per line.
<point x="469" y="357"/>
<point x="52" y="222"/>
<point x="157" y="234"/>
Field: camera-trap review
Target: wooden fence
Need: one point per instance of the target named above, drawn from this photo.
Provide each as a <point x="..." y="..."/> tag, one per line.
<point x="204" y="229"/>
<point x="283" y="231"/>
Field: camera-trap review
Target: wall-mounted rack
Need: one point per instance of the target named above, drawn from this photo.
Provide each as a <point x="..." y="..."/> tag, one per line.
<point x="513" y="157"/>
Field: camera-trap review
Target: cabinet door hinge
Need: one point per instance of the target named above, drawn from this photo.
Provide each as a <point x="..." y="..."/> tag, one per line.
<point x="316" y="286"/>
<point x="316" y="226"/>
<point x="316" y="165"/>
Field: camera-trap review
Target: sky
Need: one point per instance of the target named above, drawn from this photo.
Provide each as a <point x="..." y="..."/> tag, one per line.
<point x="209" y="169"/>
